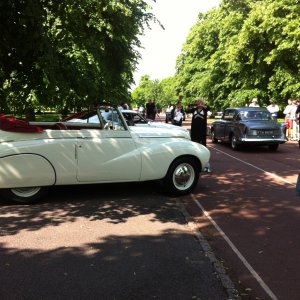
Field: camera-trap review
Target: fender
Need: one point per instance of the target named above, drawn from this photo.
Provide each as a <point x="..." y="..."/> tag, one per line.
<point x="25" y="170"/>
<point x="157" y="159"/>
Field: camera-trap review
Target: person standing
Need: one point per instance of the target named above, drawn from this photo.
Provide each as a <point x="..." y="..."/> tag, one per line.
<point x="177" y="114"/>
<point x="150" y="110"/>
<point x="273" y="109"/>
<point x="254" y="103"/>
<point x="199" y="124"/>
<point x="297" y="117"/>
<point x="294" y="120"/>
<point x="180" y="98"/>
<point x="142" y="111"/>
<point x="288" y="119"/>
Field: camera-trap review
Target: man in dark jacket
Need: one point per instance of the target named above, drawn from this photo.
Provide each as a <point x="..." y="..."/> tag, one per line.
<point x="199" y="122"/>
<point x="150" y="110"/>
<point x="199" y="125"/>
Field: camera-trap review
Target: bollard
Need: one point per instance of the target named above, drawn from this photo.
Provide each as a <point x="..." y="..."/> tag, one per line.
<point x="298" y="186"/>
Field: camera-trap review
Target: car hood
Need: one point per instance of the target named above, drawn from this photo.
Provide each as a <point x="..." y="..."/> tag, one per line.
<point x="161" y="125"/>
<point x="157" y="132"/>
<point x="136" y="132"/>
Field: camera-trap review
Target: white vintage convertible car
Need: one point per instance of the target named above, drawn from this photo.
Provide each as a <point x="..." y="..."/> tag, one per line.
<point x="37" y="155"/>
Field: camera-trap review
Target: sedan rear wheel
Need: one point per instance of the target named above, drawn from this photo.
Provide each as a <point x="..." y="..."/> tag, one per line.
<point x="24" y="195"/>
<point x="182" y="176"/>
<point x="213" y="136"/>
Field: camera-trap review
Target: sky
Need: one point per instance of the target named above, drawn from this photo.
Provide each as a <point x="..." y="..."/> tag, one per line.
<point x="162" y="47"/>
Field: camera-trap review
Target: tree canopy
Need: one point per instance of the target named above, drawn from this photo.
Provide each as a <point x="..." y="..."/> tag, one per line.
<point x="68" y="53"/>
<point x="241" y="50"/>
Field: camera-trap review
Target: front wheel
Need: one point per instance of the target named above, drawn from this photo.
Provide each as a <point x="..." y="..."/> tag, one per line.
<point x="182" y="176"/>
<point x="234" y="143"/>
<point x="24" y="195"/>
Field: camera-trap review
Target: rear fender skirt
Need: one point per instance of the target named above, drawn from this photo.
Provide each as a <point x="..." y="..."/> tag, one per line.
<point x="26" y="170"/>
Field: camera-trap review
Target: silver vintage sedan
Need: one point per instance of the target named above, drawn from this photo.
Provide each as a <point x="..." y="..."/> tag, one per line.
<point x="37" y="155"/>
<point x="248" y="126"/>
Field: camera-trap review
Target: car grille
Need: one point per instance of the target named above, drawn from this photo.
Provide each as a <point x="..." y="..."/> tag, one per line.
<point x="265" y="132"/>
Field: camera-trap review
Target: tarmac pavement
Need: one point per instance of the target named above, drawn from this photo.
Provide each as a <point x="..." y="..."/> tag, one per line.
<point x="130" y="243"/>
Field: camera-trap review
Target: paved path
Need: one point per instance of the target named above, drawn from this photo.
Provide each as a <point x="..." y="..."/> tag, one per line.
<point x="249" y="211"/>
<point x="120" y="241"/>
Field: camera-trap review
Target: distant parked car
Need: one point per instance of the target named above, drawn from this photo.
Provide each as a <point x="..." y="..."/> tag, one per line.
<point x="132" y="117"/>
<point x="248" y="126"/>
<point x="136" y="119"/>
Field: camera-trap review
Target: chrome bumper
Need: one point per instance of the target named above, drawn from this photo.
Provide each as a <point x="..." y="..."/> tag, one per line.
<point x="262" y="140"/>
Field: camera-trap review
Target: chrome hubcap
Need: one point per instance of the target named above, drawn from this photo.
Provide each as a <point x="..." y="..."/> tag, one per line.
<point x="25" y="191"/>
<point x="183" y="176"/>
<point x="233" y="142"/>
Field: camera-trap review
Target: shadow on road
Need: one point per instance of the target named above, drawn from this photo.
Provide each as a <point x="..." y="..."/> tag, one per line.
<point x="114" y="202"/>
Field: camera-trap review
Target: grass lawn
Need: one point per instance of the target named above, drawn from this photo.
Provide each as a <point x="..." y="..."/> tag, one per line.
<point x="48" y="117"/>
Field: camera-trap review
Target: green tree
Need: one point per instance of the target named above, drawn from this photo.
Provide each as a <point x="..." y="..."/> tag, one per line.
<point x="147" y="89"/>
<point x="268" y="47"/>
<point x="168" y="94"/>
<point x="68" y="53"/>
<point x="163" y="92"/>
<point x="241" y="50"/>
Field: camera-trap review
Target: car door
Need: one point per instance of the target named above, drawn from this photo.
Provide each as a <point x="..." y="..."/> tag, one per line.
<point x="221" y="128"/>
<point x="108" y="155"/>
<point x="229" y="116"/>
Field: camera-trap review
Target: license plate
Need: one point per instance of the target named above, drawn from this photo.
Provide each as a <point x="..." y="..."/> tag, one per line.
<point x="265" y="132"/>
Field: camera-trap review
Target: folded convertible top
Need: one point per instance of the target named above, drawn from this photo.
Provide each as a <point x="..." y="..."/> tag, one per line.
<point x="16" y="125"/>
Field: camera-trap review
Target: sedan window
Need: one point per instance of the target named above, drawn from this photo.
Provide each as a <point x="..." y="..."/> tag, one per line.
<point x="228" y="115"/>
<point x="255" y="115"/>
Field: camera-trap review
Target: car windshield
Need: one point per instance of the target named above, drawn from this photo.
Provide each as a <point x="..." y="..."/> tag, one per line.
<point x="255" y="115"/>
<point x="134" y="118"/>
<point x="111" y="118"/>
<point x="108" y="117"/>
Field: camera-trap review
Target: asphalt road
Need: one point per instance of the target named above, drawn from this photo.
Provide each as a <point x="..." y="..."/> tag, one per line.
<point x="249" y="211"/>
<point x="119" y="241"/>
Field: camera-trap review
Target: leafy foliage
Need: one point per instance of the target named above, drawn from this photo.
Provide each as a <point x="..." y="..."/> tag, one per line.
<point x="68" y="53"/>
<point x="241" y="50"/>
<point x="163" y="92"/>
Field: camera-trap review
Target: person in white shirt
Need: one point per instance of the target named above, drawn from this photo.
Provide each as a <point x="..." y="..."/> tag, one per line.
<point x="177" y="114"/>
<point x="294" y="119"/>
<point x="288" y="119"/>
<point x="273" y="109"/>
<point x="254" y="103"/>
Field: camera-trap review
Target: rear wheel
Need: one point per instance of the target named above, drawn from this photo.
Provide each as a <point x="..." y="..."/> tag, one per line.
<point x="24" y="195"/>
<point x="182" y="176"/>
<point x="213" y="136"/>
